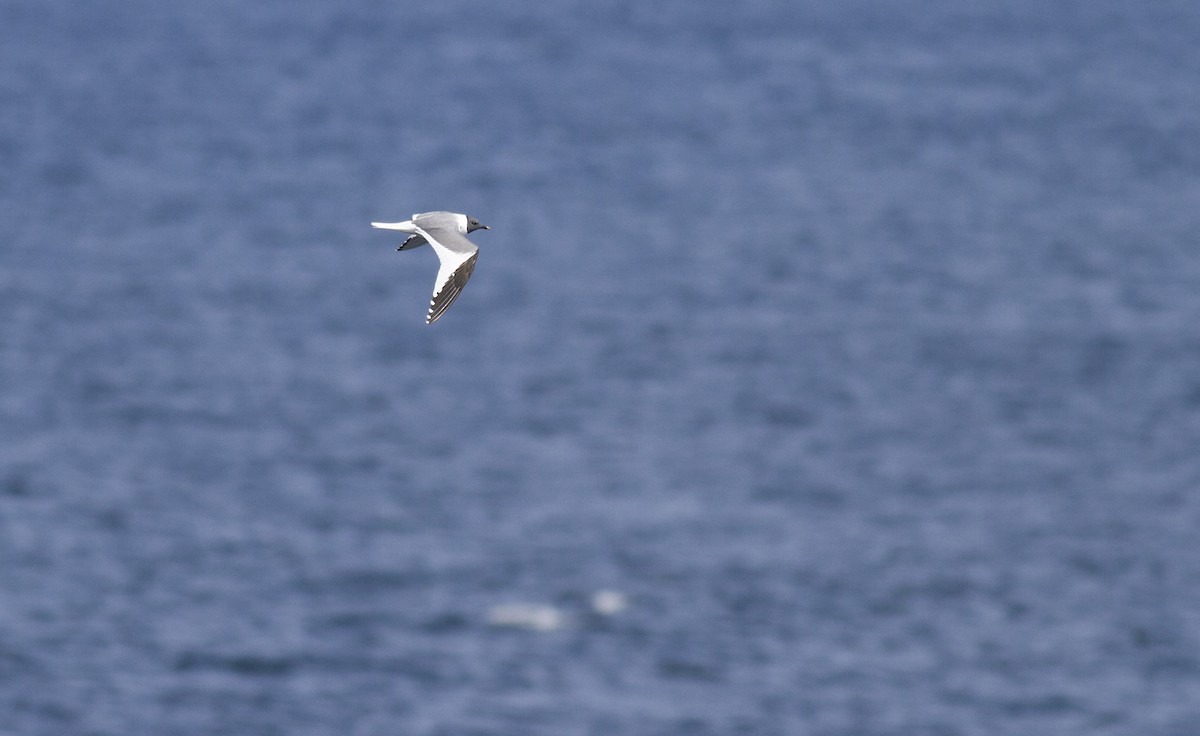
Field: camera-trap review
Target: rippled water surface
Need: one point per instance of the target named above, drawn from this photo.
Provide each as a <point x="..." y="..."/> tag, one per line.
<point x="830" y="368"/>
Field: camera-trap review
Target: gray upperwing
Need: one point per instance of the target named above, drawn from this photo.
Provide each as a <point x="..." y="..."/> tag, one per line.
<point x="430" y="221"/>
<point x="413" y="242"/>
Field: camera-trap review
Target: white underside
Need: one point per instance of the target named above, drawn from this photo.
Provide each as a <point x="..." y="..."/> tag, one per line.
<point x="450" y="260"/>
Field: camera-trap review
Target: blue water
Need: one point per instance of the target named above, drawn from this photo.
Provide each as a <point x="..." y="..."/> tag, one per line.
<point x="849" y="350"/>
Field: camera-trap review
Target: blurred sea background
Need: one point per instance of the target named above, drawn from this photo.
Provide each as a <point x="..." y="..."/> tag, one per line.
<point x="831" y="368"/>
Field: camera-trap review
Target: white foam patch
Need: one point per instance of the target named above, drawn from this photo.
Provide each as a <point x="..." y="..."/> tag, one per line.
<point x="531" y="616"/>
<point x="609" y="602"/>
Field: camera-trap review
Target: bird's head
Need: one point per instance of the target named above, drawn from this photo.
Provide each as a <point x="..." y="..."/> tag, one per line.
<point x="473" y="225"/>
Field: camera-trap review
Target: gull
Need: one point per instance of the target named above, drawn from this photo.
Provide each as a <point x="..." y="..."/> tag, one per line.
<point x="446" y="232"/>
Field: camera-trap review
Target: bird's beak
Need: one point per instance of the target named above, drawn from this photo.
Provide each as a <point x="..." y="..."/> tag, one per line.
<point x="485" y="227"/>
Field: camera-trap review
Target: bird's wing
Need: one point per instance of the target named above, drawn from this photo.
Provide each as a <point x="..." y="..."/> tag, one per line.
<point x="412" y="242"/>
<point x="457" y="255"/>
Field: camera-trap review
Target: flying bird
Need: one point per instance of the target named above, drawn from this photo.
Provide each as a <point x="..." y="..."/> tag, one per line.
<point x="446" y="232"/>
